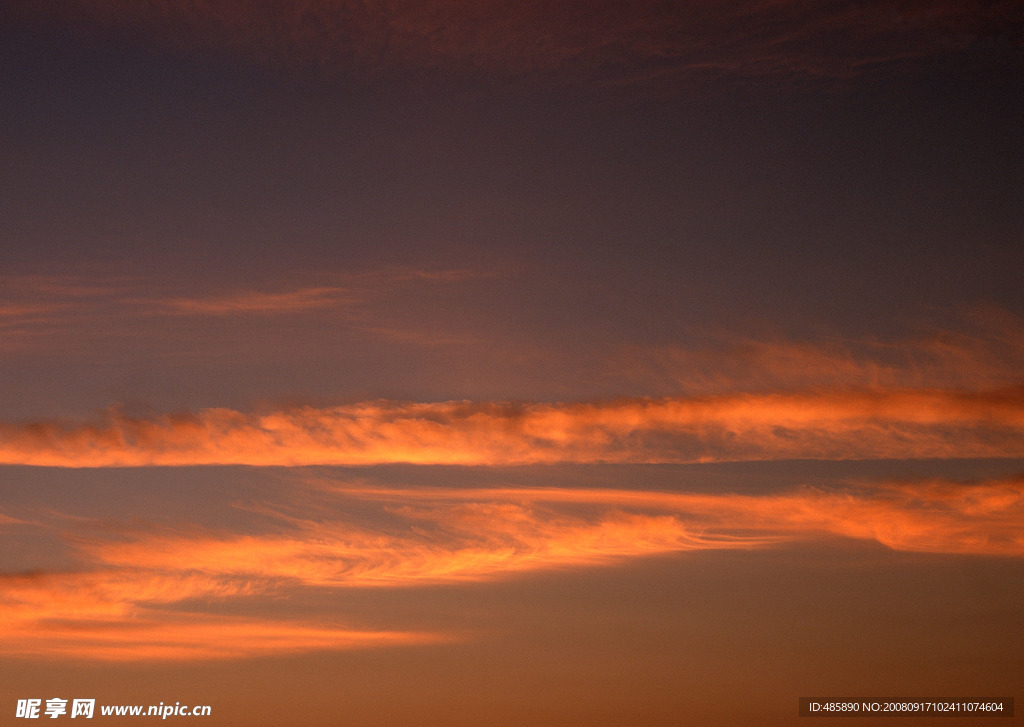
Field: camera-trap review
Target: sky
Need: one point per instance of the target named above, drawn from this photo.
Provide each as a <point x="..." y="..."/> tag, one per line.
<point x="425" y="362"/>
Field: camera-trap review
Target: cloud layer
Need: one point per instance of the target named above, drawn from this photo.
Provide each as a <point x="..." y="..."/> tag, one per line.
<point x="983" y="352"/>
<point x="147" y="595"/>
<point x="838" y="424"/>
<point x="119" y="616"/>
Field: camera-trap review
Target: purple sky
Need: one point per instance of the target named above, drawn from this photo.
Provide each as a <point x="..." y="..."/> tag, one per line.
<point x="484" y="362"/>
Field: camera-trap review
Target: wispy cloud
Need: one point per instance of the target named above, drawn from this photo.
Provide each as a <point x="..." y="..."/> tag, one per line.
<point x="981" y="350"/>
<point x="33" y="293"/>
<point x="123" y="614"/>
<point x="346" y="290"/>
<point x="844" y="424"/>
<point x="41" y="311"/>
<point x="453" y="535"/>
<point x="149" y="594"/>
<point x="934" y="515"/>
<point x="32" y="306"/>
<point x="181" y="637"/>
<point x="258" y="302"/>
<point x="477" y="539"/>
<point x="116" y="617"/>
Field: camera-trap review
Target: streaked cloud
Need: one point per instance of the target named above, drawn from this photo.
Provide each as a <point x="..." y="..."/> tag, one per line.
<point x="8" y="520"/>
<point x="184" y="638"/>
<point x="471" y="541"/>
<point x="940" y="516"/>
<point x="34" y="306"/>
<point x="164" y="594"/>
<point x="839" y="424"/>
<point x="17" y="313"/>
<point x="33" y="294"/>
<point x="37" y="310"/>
<point x="981" y="349"/>
<point x="432" y="535"/>
<point x="346" y="290"/>
<point x="258" y="302"/>
<point x="120" y="615"/>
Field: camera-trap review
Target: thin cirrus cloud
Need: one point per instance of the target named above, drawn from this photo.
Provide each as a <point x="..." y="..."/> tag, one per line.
<point x="613" y="39"/>
<point x="37" y="312"/>
<point x="29" y="296"/>
<point x="129" y="607"/>
<point x="32" y="306"/>
<point x="49" y="314"/>
<point x="421" y="543"/>
<point x="455" y="535"/>
<point x="813" y="424"/>
<point x="301" y="299"/>
<point x="357" y="289"/>
<point x="123" y="614"/>
<point x="939" y="516"/>
<point x="147" y="597"/>
<point x="185" y="638"/>
<point x="983" y="352"/>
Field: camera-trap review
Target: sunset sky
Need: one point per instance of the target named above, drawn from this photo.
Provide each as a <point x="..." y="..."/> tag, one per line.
<point x="473" y="362"/>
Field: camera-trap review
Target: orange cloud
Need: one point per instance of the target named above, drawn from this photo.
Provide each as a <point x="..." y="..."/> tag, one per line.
<point x="982" y="352"/>
<point x="452" y="535"/>
<point x="58" y="312"/>
<point x="8" y="520"/>
<point x="114" y="615"/>
<point x="259" y="302"/>
<point x="193" y="638"/>
<point x="36" y="308"/>
<point x="469" y="541"/>
<point x="840" y="424"/>
<point x="353" y="288"/>
<point x="146" y="597"/>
